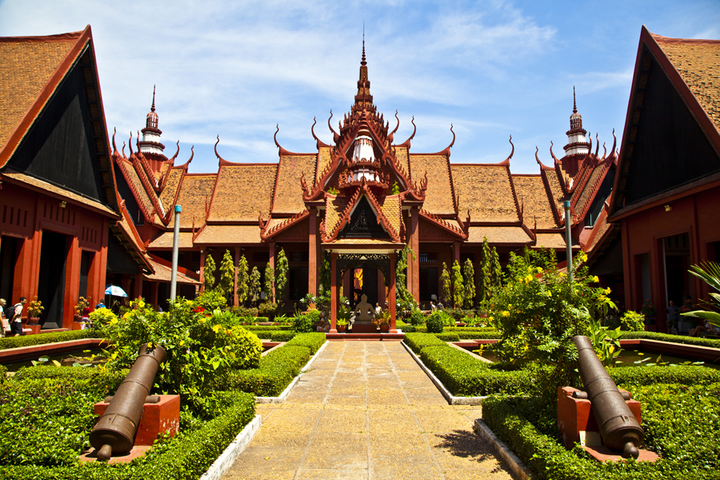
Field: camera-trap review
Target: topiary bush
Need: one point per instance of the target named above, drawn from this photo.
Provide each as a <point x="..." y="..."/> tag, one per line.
<point x="434" y="323"/>
<point x="417" y="317"/>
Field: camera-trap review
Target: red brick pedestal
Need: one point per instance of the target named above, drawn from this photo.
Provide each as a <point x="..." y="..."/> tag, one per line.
<point x="577" y="425"/>
<point x="157" y="418"/>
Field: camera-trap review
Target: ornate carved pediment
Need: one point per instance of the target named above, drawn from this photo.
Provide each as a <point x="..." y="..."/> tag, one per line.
<point x="363" y="223"/>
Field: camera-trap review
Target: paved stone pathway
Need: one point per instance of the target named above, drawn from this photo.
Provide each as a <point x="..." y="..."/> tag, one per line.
<point x="366" y="411"/>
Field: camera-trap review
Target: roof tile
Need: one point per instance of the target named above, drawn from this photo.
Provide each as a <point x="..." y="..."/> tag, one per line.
<point x="534" y="200"/>
<point x="242" y="192"/>
<point x="485" y="191"/>
<point x="439" y="194"/>
<point x="288" y="193"/>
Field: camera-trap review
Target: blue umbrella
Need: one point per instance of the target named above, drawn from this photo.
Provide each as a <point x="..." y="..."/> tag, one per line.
<point x="115" y="291"/>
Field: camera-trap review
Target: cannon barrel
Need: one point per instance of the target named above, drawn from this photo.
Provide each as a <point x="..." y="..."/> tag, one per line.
<point x="619" y="428"/>
<point x="116" y="428"/>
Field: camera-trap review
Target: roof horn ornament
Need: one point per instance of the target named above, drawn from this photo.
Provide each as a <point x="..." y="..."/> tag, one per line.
<point x="513" y="150"/>
<point x="406" y="143"/>
<point x="553" y="155"/>
<point x="597" y="145"/>
<point x="335" y="135"/>
<point x="392" y="134"/>
<point x="130" y="144"/>
<point x="318" y="142"/>
<point x="113" y="141"/>
<point x="453" y="140"/>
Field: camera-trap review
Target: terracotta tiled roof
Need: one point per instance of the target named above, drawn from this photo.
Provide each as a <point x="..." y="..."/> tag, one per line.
<point x="163" y="274"/>
<point x="324" y="160"/>
<point x="392" y="209"/>
<point x="486" y="191"/>
<point x="60" y="192"/>
<point x="439" y="195"/>
<point x="195" y="196"/>
<point x="550" y="240"/>
<point x="167" y="196"/>
<point x="228" y="234"/>
<point x="499" y="235"/>
<point x="334" y="208"/>
<point x="698" y="62"/>
<point x="534" y="200"/>
<point x="26" y="65"/>
<point x="365" y="241"/>
<point x="165" y="240"/>
<point x="288" y="192"/>
<point x="242" y="192"/>
<point x="130" y="238"/>
<point x="401" y="153"/>
<point x="582" y="199"/>
<point x="556" y="191"/>
<point x="133" y="180"/>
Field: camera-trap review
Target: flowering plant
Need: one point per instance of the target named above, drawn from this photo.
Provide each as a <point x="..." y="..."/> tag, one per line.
<point x="35" y="307"/>
<point x="82" y="304"/>
<point x="648" y="310"/>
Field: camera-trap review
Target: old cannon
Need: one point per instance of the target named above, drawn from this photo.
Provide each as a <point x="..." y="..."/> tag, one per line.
<point x="619" y="428"/>
<point x="115" y="431"/>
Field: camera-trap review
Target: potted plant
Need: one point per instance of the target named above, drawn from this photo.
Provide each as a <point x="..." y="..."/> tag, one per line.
<point x="341" y="324"/>
<point x="382" y="320"/>
<point x="648" y="310"/>
<point x="82" y="304"/>
<point x="34" y="310"/>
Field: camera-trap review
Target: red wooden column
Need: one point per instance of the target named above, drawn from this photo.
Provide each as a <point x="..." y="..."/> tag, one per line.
<point x="72" y="284"/>
<point x="202" y="270"/>
<point x="456" y="252"/>
<point x="391" y="299"/>
<point x="237" y="264"/>
<point x="312" y="253"/>
<point x="137" y="285"/>
<point x="154" y="294"/>
<point x="414" y="258"/>
<point x="333" y="292"/>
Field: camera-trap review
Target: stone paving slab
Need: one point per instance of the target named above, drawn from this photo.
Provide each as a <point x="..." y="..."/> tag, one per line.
<point x="366" y="411"/>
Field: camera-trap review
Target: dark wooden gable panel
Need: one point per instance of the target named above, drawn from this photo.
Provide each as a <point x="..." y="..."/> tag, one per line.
<point x="363" y="223"/>
<point x="61" y="145"/>
<point x="670" y="147"/>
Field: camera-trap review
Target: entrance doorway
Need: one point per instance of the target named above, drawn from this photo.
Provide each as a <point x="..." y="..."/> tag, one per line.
<point x="8" y="257"/>
<point x="676" y="255"/>
<point x="51" y="287"/>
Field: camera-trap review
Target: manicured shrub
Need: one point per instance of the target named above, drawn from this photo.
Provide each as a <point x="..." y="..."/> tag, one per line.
<point x="418" y="341"/>
<point x="261" y="320"/>
<point x="282" y="336"/>
<point x="313" y="341"/>
<point x="664" y="337"/>
<point x="404" y="326"/>
<point x="305" y="322"/>
<point x="434" y="323"/>
<point x="417" y="317"/>
<point x="649" y="375"/>
<point x="241" y="311"/>
<point x="267" y="309"/>
<point x="448" y="336"/>
<point x="43" y="338"/>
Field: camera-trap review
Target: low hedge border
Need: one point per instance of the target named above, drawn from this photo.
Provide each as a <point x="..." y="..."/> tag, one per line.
<point x="278" y="368"/>
<point x="186" y="457"/>
<point x="43" y="338"/>
<point x="665" y="337"/>
<point x="462" y="374"/>
<point x="282" y="336"/>
<point x="268" y="328"/>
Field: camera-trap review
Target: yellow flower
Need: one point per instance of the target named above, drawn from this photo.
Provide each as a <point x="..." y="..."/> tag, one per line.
<point x="595" y="279"/>
<point x="549" y="293"/>
<point x="539" y="270"/>
<point x="217" y="328"/>
<point x="505" y="313"/>
<point x="202" y="319"/>
<point x="491" y="319"/>
<point x="528" y="279"/>
<point x="141" y="304"/>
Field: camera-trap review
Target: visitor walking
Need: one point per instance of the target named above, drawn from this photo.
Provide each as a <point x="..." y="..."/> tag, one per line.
<point x="672" y="316"/>
<point x="16" y="320"/>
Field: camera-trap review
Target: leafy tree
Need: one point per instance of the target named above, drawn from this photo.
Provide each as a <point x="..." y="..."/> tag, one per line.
<point x="227" y="276"/>
<point x="405" y="300"/>
<point x="209" y="272"/>
<point x="270" y="283"/>
<point x="325" y="273"/>
<point x="242" y="286"/>
<point x="457" y="284"/>
<point x="486" y="274"/>
<point x="254" y="286"/>
<point x="539" y="310"/>
<point x="496" y="270"/>
<point x="445" y="284"/>
<point x="469" y="279"/>
<point x="281" y="276"/>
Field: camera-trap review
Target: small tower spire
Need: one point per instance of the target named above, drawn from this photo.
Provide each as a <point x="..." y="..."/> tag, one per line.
<point x="574" y="104"/>
<point x="152" y="109"/>
<point x="363" y="99"/>
<point x="577" y="146"/>
<point x="150" y="143"/>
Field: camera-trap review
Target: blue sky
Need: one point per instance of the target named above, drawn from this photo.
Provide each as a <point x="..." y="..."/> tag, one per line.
<point x="492" y="69"/>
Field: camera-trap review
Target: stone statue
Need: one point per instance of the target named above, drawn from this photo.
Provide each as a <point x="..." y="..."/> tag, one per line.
<point x="364" y="312"/>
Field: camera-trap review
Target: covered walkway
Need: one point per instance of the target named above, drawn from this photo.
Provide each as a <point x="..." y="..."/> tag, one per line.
<point x="366" y="411"/>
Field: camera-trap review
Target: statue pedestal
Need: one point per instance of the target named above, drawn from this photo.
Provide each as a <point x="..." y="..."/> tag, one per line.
<point x="364" y="328"/>
<point x="157" y="418"/>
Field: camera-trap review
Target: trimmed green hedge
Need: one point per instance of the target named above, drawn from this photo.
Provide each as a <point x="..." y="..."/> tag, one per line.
<point x="465" y="375"/>
<point x="43" y="338"/>
<point x="418" y="341"/>
<point x="267" y="328"/>
<point x="664" y="337"/>
<point x="680" y="424"/>
<point x="185" y="457"/>
<point x="649" y="375"/>
<point x="282" y="336"/>
<point x="277" y="368"/>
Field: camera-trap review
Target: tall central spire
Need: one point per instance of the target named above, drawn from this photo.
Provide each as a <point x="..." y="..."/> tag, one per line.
<point x="363" y="99"/>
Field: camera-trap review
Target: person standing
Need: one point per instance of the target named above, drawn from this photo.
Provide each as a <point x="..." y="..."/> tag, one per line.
<point x="3" y="319"/>
<point x="16" y="320"/>
<point x="672" y="315"/>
